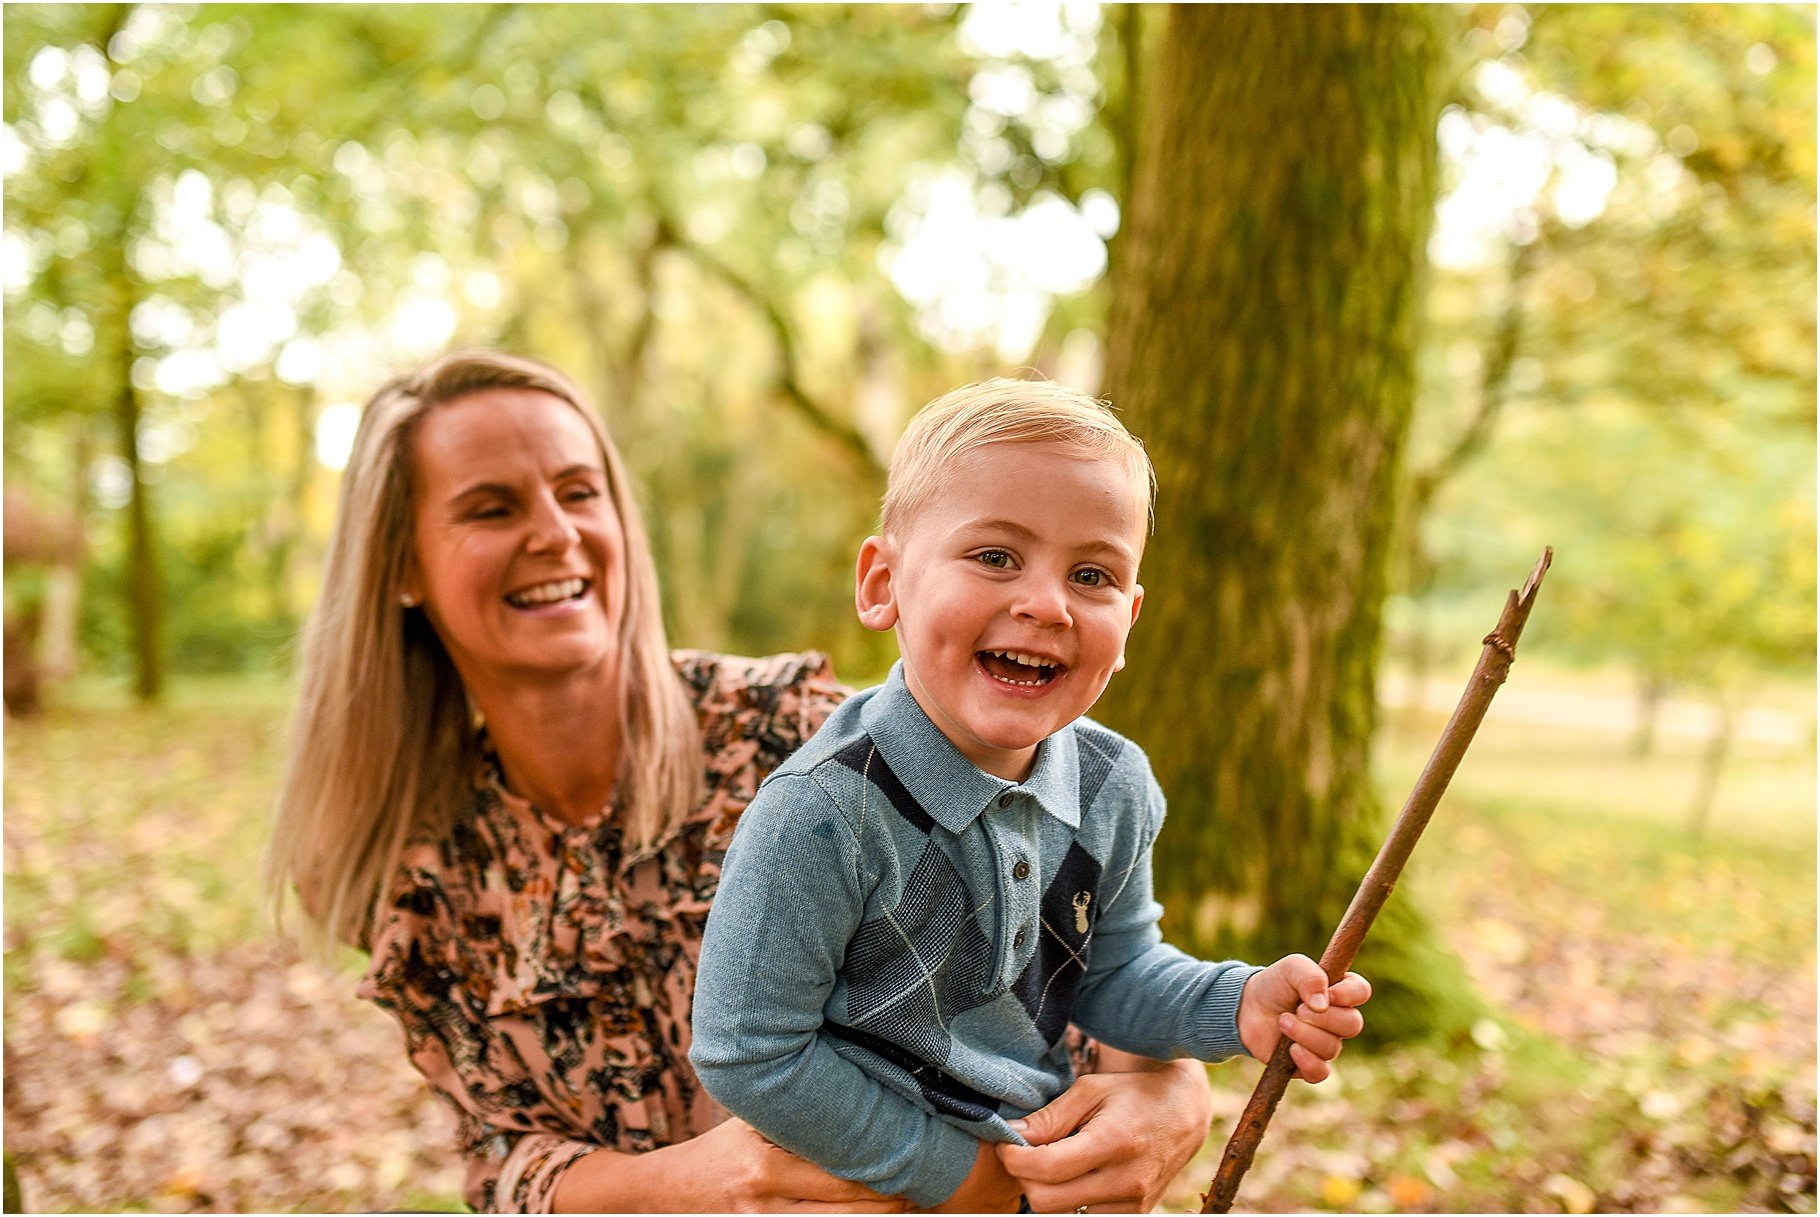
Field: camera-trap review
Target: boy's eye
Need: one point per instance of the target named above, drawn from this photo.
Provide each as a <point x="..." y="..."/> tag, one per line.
<point x="998" y="559"/>
<point x="1093" y="577"/>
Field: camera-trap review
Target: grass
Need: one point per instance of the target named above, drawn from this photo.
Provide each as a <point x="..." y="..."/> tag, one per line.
<point x="1654" y="1049"/>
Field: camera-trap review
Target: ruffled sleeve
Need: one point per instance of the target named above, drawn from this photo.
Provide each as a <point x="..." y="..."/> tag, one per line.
<point x="753" y="713"/>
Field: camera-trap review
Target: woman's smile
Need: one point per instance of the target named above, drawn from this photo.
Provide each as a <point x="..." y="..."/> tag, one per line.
<point x="556" y="594"/>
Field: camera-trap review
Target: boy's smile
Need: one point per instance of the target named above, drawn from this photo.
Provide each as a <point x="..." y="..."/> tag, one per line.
<point x="1012" y="593"/>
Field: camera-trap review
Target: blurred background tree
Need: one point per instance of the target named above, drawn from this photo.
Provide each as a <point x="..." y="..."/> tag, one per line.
<point x="1262" y="338"/>
<point x="1621" y="346"/>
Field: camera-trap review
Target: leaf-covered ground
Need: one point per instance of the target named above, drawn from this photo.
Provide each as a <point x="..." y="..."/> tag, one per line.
<point x="1655" y="1050"/>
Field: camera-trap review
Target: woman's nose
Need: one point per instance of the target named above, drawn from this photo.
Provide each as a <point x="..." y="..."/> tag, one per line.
<point x="552" y="531"/>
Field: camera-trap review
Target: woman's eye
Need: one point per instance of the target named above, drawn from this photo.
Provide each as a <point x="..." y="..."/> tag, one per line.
<point x="581" y="494"/>
<point x="998" y="559"/>
<point x="492" y="511"/>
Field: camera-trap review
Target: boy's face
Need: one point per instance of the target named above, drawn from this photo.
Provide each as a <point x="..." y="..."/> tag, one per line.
<point x="1012" y="593"/>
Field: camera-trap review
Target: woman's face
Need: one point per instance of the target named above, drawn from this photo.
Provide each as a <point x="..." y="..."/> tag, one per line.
<point x="519" y="557"/>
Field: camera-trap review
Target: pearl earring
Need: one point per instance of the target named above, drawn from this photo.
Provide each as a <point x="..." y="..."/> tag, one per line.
<point x="407" y="600"/>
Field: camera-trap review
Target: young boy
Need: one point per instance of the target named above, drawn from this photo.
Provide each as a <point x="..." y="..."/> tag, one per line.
<point x="957" y="866"/>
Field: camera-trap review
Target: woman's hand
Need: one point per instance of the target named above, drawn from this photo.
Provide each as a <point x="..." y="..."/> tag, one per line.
<point x="754" y="1176"/>
<point x="1113" y="1141"/>
<point x="1292" y="997"/>
<point x="728" y="1169"/>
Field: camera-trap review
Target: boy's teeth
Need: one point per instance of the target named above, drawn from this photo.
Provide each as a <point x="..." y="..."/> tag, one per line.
<point x="1042" y="670"/>
<point x="548" y="593"/>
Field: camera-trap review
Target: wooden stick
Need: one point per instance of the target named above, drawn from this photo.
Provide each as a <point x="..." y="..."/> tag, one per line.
<point x="1494" y="665"/>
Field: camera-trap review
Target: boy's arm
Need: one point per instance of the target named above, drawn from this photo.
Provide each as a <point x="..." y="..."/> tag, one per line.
<point x="792" y="894"/>
<point x="1140" y="993"/>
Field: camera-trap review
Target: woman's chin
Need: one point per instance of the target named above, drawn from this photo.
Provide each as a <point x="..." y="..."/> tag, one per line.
<point x="541" y="661"/>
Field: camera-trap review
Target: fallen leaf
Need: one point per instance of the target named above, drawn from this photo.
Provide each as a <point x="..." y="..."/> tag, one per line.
<point x="1574" y="1196"/>
<point x="1408" y="1192"/>
<point x="1339" y="1191"/>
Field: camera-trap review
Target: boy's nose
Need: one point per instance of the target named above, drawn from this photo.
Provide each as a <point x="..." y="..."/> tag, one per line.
<point x="1042" y="602"/>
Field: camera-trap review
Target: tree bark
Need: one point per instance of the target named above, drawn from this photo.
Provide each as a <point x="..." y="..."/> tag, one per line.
<point x="142" y="568"/>
<point x="1712" y="764"/>
<point x="63" y="583"/>
<point x="1652" y="687"/>
<point x="1262" y="343"/>
<point x="115" y="340"/>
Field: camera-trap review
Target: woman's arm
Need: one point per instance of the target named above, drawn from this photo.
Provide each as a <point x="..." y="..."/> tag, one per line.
<point x="728" y="1169"/>
<point x="1116" y="1139"/>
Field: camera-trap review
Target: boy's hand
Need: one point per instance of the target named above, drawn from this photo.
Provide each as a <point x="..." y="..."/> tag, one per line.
<point x="1292" y="997"/>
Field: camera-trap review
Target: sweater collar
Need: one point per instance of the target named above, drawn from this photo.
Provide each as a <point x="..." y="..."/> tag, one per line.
<point x="952" y="789"/>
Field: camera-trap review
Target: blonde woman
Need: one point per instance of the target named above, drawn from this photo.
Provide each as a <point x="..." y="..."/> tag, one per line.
<point x="507" y="790"/>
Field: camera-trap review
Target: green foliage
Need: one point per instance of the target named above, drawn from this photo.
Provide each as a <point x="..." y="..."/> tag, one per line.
<point x="580" y="182"/>
<point x="1646" y="366"/>
<point x="609" y="186"/>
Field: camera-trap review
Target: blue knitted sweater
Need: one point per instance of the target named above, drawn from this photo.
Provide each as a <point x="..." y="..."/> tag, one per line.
<point x="900" y="940"/>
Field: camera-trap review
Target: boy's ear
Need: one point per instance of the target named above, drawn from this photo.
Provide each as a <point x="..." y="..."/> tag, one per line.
<point x="872" y="594"/>
<point x="1137" y="605"/>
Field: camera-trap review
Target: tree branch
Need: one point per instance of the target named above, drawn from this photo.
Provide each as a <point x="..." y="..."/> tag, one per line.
<point x="1494" y="387"/>
<point x="789" y="383"/>
<point x="621" y="363"/>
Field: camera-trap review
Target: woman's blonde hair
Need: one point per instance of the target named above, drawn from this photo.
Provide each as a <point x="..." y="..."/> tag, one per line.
<point x="382" y="741"/>
<point x="1004" y="411"/>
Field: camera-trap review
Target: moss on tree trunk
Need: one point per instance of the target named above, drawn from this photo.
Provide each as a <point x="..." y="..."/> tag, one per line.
<point x="1262" y="343"/>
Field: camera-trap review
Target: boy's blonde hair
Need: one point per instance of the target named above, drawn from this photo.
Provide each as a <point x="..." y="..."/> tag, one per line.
<point x="1005" y="411"/>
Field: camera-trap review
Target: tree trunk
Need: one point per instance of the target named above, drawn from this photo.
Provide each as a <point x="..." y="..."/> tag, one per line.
<point x="115" y="341"/>
<point x="1652" y="687"/>
<point x="1262" y="343"/>
<point x="1712" y="764"/>
<point x="148" y="644"/>
<point x="301" y="563"/>
<point x="58" y="647"/>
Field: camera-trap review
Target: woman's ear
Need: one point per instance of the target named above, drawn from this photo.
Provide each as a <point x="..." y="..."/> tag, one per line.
<point x="410" y="583"/>
<point x="872" y="594"/>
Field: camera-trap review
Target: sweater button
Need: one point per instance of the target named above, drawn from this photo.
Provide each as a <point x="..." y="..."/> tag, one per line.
<point x="1017" y="943"/>
<point x="1021" y="870"/>
<point x="1004" y="800"/>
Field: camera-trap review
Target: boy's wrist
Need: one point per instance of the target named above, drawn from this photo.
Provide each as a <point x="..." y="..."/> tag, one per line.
<point x="1224" y="1031"/>
<point x="941" y="1171"/>
<point x="988" y="1187"/>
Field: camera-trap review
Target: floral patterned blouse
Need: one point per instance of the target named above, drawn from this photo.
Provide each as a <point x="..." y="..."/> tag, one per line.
<point x="542" y="973"/>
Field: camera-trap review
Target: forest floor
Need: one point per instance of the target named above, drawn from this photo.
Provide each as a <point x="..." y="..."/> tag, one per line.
<point x="1654" y="1050"/>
